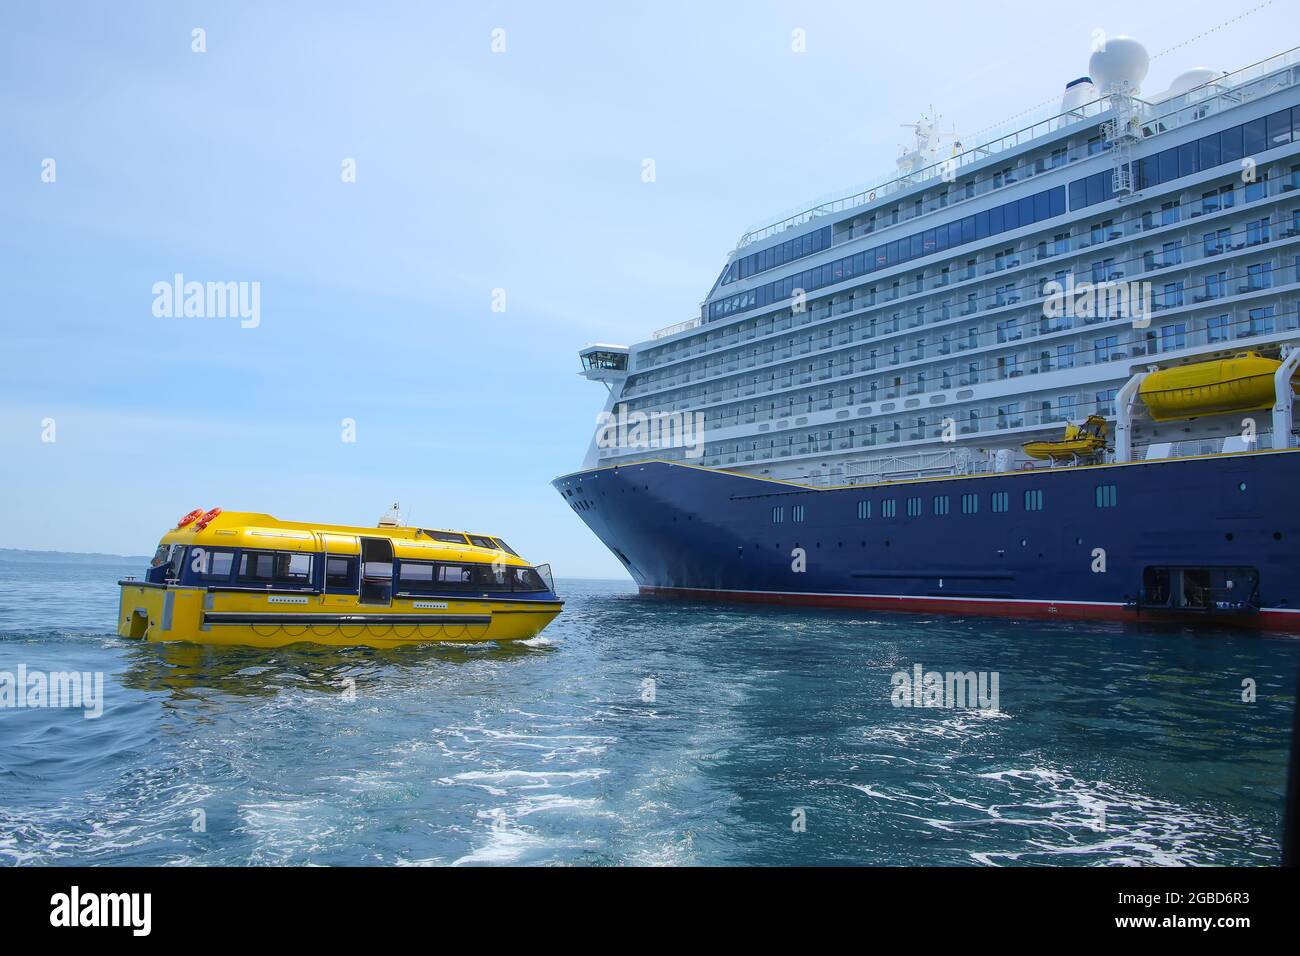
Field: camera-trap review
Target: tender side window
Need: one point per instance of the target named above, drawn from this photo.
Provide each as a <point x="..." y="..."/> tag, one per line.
<point x="340" y="573"/>
<point x="256" y="566"/>
<point x="416" y="572"/>
<point x="293" y="569"/>
<point x="472" y="577"/>
<point x="455" y="575"/>
<point x="160" y="556"/>
<point x="505" y="547"/>
<point x="269" y="567"/>
<point x="212" y="565"/>
<point x="481" y="542"/>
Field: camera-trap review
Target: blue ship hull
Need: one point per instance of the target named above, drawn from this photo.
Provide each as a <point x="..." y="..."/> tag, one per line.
<point x="1215" y="537"/>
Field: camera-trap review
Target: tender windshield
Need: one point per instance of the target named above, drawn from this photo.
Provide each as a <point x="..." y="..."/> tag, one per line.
<point x="527" y="579"/>
<point x="451" y="537"/>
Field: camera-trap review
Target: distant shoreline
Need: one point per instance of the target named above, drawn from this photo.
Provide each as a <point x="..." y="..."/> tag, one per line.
<point x="80" y="557"/>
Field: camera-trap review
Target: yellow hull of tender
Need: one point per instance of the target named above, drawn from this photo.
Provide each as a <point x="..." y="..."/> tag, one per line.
<point x="175" y="613"/>
<point x="1242" y="383"/>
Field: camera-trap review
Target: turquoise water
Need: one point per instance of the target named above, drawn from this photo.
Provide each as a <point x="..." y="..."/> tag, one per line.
<point x="548" y="753"/>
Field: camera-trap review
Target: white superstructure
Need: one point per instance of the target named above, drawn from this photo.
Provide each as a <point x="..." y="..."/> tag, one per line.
<point x="912" y="328"/>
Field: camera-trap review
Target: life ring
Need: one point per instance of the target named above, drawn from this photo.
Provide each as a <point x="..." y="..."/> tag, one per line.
<point x="189" y="518"/>
<point x="203" y="522"/>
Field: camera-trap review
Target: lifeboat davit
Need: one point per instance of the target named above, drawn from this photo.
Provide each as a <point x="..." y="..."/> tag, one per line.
<point x="1241" y="383"/>
<point x="1080" y="442"/>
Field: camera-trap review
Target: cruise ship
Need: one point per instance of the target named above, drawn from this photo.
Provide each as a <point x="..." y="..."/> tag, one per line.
<point x="1049" y="374"/>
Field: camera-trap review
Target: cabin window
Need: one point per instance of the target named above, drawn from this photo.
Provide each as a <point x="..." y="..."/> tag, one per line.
<point x="456" y="577"/>
<point x="970" y="504"/>
<point x="160" y="556"/>
<point x="1001" y="501"/>
<point x="1033" y="501"/>
<point x="888" y="508"/>
<point x="256" y="566"/>
<point x="941" y="504"/>
<point x="778" y="514"/>
<point x="913" y="507"/>
<point x="341" y="574"/>
<point x="212" y="565"/>
<point x="1106" y="496"/>
<point x="481" y="542"/>
<point x="415" y="573"/>
<point x="451" y="537"/>
<point x="272" y="567"/>
<point x="864" y="509"/>
<point x="796" y="513"/>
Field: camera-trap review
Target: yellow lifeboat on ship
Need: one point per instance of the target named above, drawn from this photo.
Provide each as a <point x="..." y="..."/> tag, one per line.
<point x="1080" y="442"/>
<point x="1241" y="383"/>
<point x="222" y="577"/>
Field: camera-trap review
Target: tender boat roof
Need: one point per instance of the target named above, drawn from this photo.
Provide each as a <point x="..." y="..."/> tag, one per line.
<point x="249" y="529"/>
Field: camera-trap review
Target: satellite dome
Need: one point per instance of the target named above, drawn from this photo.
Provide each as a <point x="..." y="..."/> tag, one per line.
<point x="1189" y="80"/>
<point x="1120" y="66"/>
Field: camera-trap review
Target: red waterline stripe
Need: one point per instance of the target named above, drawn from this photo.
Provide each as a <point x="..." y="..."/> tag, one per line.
<point x="1264" y="620"/>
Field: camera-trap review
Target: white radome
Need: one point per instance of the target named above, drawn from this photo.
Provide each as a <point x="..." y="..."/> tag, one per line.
<point x="1189" y="80"/>
<point x="1120" y="66"/>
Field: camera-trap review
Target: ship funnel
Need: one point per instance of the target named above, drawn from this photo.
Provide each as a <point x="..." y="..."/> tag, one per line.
<point x="1077" y="93"/>
<point x="1119" y="66"/>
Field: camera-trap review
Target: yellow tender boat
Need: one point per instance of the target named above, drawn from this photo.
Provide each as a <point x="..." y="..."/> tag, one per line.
<point x="1241" y="383"/>
<point x="1079" y="442"/>
<point x="250" y="579"/>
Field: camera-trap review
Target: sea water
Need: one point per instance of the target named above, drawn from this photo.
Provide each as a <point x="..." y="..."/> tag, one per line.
<point x="635" y="731"/>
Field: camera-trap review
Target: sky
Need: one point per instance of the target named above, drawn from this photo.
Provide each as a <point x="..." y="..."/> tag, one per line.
<point x="498" y="220"/>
